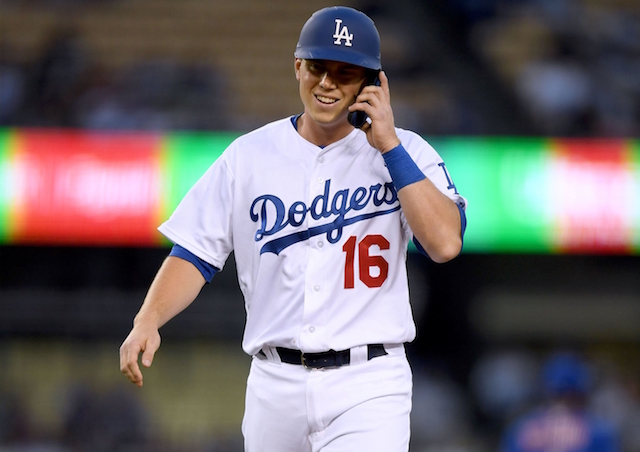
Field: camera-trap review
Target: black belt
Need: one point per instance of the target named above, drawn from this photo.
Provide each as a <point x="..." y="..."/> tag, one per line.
<point x="324" y="359"/>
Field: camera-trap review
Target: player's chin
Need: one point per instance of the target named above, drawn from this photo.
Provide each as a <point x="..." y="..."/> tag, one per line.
<point x="329" y="118"/>
<point x="326" y="120"/>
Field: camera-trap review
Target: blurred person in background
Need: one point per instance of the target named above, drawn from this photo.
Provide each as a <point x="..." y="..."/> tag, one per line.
<point x="563" y="423"/>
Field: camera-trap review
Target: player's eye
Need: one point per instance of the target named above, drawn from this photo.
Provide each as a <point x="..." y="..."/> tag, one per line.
<point x="315" y="67"/>
<point x="350" y="76"/>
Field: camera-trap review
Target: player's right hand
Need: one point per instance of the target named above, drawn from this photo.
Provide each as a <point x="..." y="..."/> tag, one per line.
<point x="145" y="339"/>
<point x="376" y="102"/>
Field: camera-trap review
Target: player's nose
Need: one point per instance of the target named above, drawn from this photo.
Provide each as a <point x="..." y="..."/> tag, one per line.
<point x="326" y="81"/>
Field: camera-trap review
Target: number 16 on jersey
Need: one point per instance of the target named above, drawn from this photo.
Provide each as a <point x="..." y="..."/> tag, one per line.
<point x="365" y="261"/>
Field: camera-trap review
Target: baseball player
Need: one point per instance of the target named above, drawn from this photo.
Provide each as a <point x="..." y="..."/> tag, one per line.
<point x="319" y="213"/>
<point x="563" y="423"/>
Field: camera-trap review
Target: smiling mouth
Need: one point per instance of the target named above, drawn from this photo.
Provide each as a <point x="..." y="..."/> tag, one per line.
<point x="326" y="100"/>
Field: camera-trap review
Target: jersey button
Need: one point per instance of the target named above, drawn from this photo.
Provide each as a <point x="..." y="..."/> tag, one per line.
<point x="321" y="159"/>
<point x="316" y="288"/>
<point x="320" y="180"/>
<point x="320" y="244"/>
<point x="312" y="329"/>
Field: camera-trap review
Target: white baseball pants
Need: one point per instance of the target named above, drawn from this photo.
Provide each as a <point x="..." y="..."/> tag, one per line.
<point x="363" y="406"/>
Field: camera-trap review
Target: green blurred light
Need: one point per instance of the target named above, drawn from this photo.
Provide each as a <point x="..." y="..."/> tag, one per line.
<point x="6" y="182"/>
<point x="504" y="181"/>
<point x="186" y="157"/>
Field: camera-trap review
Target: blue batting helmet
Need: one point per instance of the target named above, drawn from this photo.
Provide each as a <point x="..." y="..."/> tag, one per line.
<point x="566" y="373"/>
<point x="339" y="33"/>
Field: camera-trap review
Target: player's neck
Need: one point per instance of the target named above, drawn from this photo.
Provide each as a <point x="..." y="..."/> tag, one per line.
<point x="322" y="134"/>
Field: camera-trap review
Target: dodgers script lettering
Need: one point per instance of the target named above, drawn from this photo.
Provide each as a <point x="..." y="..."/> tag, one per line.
<point x="323" y="206"/>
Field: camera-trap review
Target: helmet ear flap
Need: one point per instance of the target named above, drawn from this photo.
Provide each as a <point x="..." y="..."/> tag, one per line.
<point x="340" y="33"/>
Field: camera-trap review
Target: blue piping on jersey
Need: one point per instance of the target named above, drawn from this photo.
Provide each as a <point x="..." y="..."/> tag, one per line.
<point x="294" y="120"/>
<point x="463" y="222"/>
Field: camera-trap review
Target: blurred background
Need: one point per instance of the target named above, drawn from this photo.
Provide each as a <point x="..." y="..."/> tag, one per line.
<point x="487" y="321"/>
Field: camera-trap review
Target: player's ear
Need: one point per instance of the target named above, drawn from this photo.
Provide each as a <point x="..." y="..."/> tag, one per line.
<point x="297" y="63"/>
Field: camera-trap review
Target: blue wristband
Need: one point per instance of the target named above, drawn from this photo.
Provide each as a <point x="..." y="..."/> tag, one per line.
<point x="402" y="168"/>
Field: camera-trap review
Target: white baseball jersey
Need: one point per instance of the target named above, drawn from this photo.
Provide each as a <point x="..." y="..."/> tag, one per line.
<point x="319" y="237"/>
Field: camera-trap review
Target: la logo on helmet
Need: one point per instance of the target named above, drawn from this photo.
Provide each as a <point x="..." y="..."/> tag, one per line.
<point x="342" y="33"/>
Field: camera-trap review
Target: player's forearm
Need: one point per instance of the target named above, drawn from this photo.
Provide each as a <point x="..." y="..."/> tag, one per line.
<point x="433" y="218"/>
<point x="175" y="286"/>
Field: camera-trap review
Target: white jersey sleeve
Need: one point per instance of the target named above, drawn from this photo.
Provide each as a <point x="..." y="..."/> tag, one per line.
<point x="431" y="164"/>
<point x="202" y="221"/>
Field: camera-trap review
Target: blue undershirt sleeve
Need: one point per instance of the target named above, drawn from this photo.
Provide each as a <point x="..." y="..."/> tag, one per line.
<point x="208" y="271"/>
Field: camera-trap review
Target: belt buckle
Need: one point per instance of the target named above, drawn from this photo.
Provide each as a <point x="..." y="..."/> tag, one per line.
<point x="304" y="361"/>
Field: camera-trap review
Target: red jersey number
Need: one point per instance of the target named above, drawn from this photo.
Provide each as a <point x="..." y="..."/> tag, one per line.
<point x="365" y="261"/>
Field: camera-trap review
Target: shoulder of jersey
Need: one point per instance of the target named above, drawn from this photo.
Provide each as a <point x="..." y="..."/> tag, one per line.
<point x="260" y="131"/>
<point x="413" y="142"/>
<point x="407" y="134"/>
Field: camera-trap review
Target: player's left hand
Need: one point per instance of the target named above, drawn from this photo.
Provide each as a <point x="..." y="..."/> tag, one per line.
<point x="376" y="102"/>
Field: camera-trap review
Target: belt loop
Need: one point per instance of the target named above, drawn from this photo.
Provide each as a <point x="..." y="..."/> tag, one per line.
<point x="359" y="354"/>
<point x="272" y="355"/>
